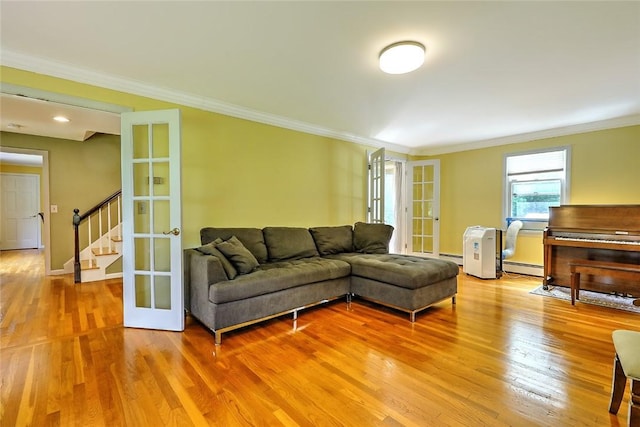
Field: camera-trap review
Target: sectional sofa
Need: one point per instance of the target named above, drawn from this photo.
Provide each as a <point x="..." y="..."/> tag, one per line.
<point x="240" y="276"/>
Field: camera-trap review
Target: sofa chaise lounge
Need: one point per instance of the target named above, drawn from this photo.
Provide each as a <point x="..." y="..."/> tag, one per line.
<point x="240" y="276"/>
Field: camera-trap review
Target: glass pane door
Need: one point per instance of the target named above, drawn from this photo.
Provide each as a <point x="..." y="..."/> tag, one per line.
<point x="152" y="249"/>
<point x="376" y="186"/>
<point x="424" y="209"/>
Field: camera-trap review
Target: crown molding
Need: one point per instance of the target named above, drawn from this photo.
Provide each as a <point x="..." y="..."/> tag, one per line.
<point x="107" y="81"/>
<point x="613" y="123"/>
<point x="90" y="77"/>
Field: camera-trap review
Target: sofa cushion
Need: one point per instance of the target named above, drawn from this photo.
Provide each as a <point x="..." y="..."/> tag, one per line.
<point x="289" y="243"/>
<point x="251" y="238"/>
<point x="210" y="249"/>
<point x="333" y="240"/>
<point x="401" y="270"/>
<point x="372" y="238"/>
<point x="240" y="257"/>
<point x="277" y="276"/>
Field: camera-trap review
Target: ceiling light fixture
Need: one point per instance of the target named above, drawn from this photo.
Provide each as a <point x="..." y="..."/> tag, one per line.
<point x="402" y="57"/>
<point x="61" y="119"/>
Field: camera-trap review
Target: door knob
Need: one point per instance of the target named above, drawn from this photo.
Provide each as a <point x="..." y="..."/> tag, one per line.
<point x="175" y="232"/>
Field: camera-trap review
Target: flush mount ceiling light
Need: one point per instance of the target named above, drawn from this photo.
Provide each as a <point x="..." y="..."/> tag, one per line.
<point x="61" y="119"/>
<point x="402" y="57"/>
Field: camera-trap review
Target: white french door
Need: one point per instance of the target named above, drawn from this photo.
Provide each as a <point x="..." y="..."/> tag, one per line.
<point x="423" y="198"/>
<point x="151" y="216"/>
<point x="20" y="227"/>
<point x="376" y="186"/>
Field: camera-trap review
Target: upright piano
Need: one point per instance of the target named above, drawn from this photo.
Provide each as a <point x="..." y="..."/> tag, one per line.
<point x="594" y="232"/>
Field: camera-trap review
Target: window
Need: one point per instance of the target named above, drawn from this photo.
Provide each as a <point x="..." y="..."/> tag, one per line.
<point x="534" y="181"/>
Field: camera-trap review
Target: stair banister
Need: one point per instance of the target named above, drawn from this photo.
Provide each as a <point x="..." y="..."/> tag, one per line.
<point x="78" y="219"/>
<point x="76" y="247"/>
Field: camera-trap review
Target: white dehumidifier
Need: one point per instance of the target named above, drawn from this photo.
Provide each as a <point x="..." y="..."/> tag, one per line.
<point x="479" y="252"/>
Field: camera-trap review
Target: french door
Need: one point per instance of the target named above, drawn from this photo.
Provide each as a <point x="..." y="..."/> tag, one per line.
<point x="151" y="216"/>
<point x="376" y="186"/>
<point x="423" y="198"/>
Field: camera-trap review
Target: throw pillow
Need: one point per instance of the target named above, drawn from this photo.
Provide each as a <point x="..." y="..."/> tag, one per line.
<point x="240" y="257"/>
<point x="333" y="240"/>
<point x="372" y="238"/>
<point x="211" y="249"/>
<point x="289" y="243"/>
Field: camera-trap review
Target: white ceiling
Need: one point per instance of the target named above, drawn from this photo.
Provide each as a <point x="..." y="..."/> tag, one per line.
<point x="495" y="72"/>
<point x="32" y="116"/>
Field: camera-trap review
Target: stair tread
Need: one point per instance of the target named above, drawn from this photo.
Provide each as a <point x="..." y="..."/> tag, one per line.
<point x="87" y="264"/>
<point x="105" y="251"/>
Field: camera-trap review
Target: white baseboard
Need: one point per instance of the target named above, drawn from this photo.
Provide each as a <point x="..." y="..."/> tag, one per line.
<point x="113" y="276"/>
<point x="58" y="272"/>
<point x="507" y="266"/>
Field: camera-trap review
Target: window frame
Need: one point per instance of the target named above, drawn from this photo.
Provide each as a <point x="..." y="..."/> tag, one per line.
<point x="535" y="224"/>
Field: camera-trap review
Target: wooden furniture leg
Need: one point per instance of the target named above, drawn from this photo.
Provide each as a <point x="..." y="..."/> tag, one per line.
<point x="575" y="285"/>
<point x="618" y="384"/>
<point x="626" y="366"/>
<point x="634" y="404"/>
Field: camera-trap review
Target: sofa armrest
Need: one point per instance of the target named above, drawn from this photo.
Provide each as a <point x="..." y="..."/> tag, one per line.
<point x="205" y="270"/>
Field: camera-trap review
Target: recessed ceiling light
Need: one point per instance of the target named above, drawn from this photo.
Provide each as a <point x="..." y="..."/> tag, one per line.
<point x="61" y="119"/>
<point x="402" y="57"/>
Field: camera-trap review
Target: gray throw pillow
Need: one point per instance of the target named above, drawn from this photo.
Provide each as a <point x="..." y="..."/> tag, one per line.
<point x="333" y="240"/>
<point x="289" y="243"/>
<point x="240" y="257"/>
<point x="372" y="238"/>
<point x="211" y="249"/>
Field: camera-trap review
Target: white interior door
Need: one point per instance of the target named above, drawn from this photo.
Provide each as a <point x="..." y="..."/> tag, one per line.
<point x="376" y="186"/>
<point x="20" y="206"/>
<point x="151" y="216"/>
<point x="423" y="197"/>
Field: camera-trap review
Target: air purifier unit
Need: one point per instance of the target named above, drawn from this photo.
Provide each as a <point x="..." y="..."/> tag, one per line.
<point x="479" y="252"/>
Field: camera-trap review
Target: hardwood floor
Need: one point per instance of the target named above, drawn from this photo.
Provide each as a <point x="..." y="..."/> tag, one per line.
<point x="499" y="357"/>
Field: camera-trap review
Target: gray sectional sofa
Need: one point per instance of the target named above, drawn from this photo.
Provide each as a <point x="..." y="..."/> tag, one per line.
<point x="241" y="276"/>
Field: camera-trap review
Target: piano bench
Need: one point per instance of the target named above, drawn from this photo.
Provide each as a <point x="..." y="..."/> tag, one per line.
<point x="610" y="269"/>
<point x="626" y="365"/>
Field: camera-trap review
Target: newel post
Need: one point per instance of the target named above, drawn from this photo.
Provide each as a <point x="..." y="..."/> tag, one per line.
<point x="77" y="278"/>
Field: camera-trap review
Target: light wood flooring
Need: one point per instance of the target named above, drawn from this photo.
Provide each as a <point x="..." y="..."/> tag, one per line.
<point x="499" y="357"/>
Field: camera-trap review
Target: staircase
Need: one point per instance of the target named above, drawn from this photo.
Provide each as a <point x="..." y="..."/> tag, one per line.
<point x="100" y="229"/>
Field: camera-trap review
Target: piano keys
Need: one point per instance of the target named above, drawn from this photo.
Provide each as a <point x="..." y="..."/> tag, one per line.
<point x="595" y="232"/>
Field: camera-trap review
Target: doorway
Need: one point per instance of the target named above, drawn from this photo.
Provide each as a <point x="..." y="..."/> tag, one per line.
<point x="20" y="210"/>
<point x="43" y="159"/>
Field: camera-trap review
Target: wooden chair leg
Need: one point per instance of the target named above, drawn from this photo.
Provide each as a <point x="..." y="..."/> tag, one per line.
<point x="634" y="404"/>
<point x="618" y="384"/>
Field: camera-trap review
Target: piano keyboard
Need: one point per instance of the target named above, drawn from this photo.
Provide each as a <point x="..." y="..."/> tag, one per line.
<point x="617" y="242"/>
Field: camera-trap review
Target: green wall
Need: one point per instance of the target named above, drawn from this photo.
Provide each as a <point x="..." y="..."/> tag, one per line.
<point x="81" y="174"/>
<point x="237" y="172"/>
<point x="604" y="170"/>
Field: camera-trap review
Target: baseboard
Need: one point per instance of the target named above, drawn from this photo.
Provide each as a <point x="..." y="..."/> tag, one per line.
<point x="58" y="272"/>
<point x="507" y="266"/>
<point x="113" y="276"/>
<point x="520" y="268"/>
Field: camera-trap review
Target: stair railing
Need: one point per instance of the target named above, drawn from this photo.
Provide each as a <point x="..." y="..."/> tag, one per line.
<point x="96" y="211"/>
